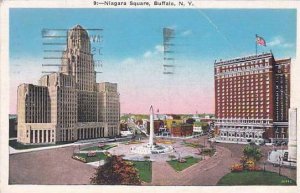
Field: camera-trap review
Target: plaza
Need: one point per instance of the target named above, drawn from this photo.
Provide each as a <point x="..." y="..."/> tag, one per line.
<point x="30" y="167"/>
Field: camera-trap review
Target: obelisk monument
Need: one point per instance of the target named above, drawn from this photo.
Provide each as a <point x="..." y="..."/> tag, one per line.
<point x="150" y="144"/>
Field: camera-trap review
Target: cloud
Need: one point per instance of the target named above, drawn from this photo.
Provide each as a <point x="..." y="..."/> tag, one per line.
<point x="128" y="61"/>
<point x="158" y="49"/>
<point x="148" y="54"/>
<point x="186" y="33"/>
<point x="279" y="41"/>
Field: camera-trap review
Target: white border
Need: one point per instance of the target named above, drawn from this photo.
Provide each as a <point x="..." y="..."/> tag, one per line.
<point x="4" y="98"/>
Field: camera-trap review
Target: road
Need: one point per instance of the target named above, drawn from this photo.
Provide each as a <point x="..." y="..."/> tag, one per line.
<point x="55" y="166"/>
<point x="207" y="172"/>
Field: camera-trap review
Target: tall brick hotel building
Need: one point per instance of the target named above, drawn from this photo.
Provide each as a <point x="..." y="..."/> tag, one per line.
<point x="252" y="99"/>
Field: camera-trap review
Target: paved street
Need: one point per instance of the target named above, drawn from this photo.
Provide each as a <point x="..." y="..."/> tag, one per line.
<point x="207" y="172"/>
<point x="55" y="166"/>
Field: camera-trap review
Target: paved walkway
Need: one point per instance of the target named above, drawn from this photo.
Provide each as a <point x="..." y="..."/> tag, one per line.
<point x="209" y="171"/>
<point x="206" y="172"/>
<point x="15" y="151"/>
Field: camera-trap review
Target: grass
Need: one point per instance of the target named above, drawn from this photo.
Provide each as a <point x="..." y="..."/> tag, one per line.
<point x="255" y="178"/>
<point x="19" y="146"/>
<point x="94" y="148"/>
<point x="208" y="151"/>
<point x="145" y="170"/>
<point x="99" y="156"/>
<point x="181" y="166"/>
<point x="194" y="145"/>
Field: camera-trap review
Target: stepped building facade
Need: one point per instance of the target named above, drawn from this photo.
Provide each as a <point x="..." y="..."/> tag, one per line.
<point x="69" y="105"/>
<point x="252" y="99"/>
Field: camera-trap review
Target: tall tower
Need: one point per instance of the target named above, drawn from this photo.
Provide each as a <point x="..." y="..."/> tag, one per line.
<point x="78" y="60"/>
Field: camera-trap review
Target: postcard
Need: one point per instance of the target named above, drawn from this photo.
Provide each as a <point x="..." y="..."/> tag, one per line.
<point x="144" y="95"/>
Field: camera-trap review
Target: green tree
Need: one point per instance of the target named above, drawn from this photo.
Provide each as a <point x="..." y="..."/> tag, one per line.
<point x="116" y="171"/>
<point x="205" y="127"/>
<point x="252" y="152"/>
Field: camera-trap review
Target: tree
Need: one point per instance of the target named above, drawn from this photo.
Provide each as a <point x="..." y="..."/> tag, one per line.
<point x="116" y="171"/>
<point x="252" y="152"/>
<point x="205" y="127"/>
<point x="190" y="121"/>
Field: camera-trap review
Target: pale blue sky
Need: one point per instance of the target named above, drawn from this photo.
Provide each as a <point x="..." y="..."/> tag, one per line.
<point x="131" y="49"/>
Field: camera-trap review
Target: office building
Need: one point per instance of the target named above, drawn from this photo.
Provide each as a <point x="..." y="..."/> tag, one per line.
<point x="69" y="105"/>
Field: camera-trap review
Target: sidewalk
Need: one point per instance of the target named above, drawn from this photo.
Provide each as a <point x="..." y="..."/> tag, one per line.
<point x="76" y="143"/>
<point x="16" y="151"/>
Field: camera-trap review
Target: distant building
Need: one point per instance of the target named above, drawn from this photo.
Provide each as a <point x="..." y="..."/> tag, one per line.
<point x="157" y="125"/>
<point x="168" y="122"/>
<point x="252" y="98"/>
<point x="197" y="128"/>
<point x="181" y="130"/>
<point x="12" y="126"/>
<point x="69" y="105"/>
<point x="196" y="118"/>
<point x="123" y="127"/>
<point x="126" y="133"/>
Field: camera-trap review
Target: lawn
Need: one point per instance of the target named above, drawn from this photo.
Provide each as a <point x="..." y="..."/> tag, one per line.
<point x="254" y="178"/>
<point x="93" y="148"/>
<point x="193" y="144"/>
<point x="145" y="170"/>
<point x="181" y="166"/>
<point x="16" y="145"/>
<point x="99" y="156"/>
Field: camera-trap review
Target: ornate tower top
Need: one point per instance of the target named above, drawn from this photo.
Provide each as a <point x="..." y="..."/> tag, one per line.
<point x="78" y="59"/>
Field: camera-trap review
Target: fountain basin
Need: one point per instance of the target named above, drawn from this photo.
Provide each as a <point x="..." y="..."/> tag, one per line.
<point x="154" y="149"/>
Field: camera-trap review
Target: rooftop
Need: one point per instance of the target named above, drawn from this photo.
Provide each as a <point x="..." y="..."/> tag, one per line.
<point x="243" y="59"/>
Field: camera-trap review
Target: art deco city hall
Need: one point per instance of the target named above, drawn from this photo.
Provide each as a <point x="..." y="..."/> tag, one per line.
<point x="69" y="105"/>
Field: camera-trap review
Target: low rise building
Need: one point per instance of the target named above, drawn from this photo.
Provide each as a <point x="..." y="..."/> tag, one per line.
<point x="181" y="130"/>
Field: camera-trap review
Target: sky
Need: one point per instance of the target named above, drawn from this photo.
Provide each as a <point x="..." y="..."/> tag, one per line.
<point x="132" y="52"/>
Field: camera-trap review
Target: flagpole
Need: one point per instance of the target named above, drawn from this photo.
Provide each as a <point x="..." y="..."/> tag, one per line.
<point x="256" y="44"/>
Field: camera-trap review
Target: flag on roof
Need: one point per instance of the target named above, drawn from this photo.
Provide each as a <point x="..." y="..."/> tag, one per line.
<point x="260" y="41"/>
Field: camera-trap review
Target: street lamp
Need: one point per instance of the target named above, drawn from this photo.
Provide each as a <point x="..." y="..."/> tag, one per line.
<point x="279" y="169"/>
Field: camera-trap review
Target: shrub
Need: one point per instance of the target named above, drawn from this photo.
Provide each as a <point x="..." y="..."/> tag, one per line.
<point x="79" y="158"/>
<point x="237" y="167"/>
<point x="146" y="157"/>
<point x="249" y="164"/>
<point x="208" y="151"/>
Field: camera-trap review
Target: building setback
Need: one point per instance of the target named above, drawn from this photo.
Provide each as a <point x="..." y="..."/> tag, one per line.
<point x="69" y="105"/>
<point x="252" y="98"/>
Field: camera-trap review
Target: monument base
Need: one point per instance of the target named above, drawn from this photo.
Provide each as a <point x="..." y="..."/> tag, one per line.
<point x="152" y="149"/>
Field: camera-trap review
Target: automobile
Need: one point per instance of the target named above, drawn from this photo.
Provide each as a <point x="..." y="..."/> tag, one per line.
<point x="279" y="143"/>
<point x="284" y="143"/>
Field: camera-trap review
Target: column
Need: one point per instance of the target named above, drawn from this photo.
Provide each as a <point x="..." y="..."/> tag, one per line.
<point x="151" y="127"/>
<point x="43" y="136"/>
<point x="33" y="136"/>
<point x="47" y="136"/>
<point x="38" y="136"/>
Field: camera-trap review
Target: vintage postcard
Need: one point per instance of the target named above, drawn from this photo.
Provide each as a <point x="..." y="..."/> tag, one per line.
<point x="119" y="96"/>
